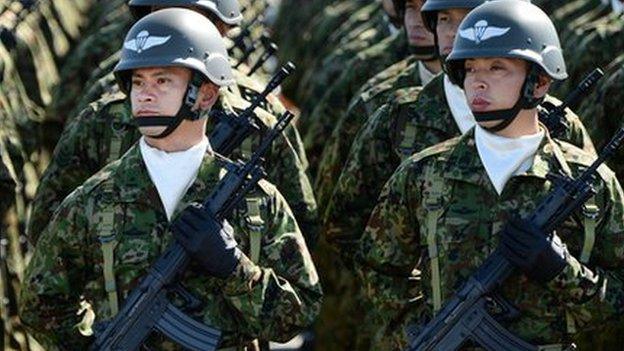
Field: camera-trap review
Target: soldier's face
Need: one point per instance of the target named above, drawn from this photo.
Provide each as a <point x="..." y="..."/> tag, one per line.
<point x="158" y="91"/>
<point x="417" y="35"/>
<point x="446" y="28"/>
<point x="493" y="84"/>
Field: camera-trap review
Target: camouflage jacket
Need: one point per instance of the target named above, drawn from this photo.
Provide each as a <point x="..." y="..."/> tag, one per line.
<point x="66" y="268"/>
<point x="593" y="45"/>
<point x="333" y="59"/>
<point x="602" y="112"/>
<point x="394" y="249"/>
<point x="85" y="58"/>
<point x="105" y="130"/>
<point x="371" y="96"/>
<point x="413" y="121"/>
<point x="320" y="123"/>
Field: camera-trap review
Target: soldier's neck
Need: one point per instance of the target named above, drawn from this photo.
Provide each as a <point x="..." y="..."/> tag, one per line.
<point x="187" y="135"/>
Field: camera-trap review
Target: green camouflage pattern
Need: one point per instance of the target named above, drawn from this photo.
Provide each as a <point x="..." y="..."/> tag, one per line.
<point x="7" y="186"/>
<point x="317" y="126"/>
<point x="85" y="146"/>
<point x="396" y="268"/>
<point x="84" y="60"/>
<point x="66" y="268"/>
<point x="374" y="93"/>
<point x="381" y="145"/>
<point x="603" y="111"/>
<point x="592" y="45"/>
<point x="309" y="41"/>
<point x="332" y="60"/>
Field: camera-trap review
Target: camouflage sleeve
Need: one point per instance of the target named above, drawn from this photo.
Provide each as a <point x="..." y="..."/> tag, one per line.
<point x="388" y="253"/>
<point x="48" y="303"/>
<point x="578" y="135"/>
<point x="596" y="290"/>
<point x="359" y="184"/>
<point x="286" y="170"/>
<point x="72" y="163"/>
<point x="287" y="295"/>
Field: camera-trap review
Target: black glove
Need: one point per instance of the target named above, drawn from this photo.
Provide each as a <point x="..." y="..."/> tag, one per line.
<point x="541" y="257"/>
<point x="207" y="241"/>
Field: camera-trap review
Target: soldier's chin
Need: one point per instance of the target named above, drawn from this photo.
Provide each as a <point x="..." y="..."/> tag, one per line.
<point x="152" y="131"/>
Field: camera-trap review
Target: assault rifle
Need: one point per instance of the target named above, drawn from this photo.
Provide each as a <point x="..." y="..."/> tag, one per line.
<point x="553" y="117"/>
<point x="270" y="48"/>
<point x="465" y="317"/>
<point x="147" y="308"/>
<point x="231" y="129"/>
<point x="239" y="42"/>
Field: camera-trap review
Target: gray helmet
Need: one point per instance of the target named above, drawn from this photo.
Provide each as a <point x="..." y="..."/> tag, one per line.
<point x="507" y="28"/>
<point x="175" y="37"/>
<point x="430" y="9"/>
<point x="227" y="11"/>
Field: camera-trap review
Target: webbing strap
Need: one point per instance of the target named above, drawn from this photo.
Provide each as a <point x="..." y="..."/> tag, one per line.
<point x="433" y="205"/>
<point x="108" y="243"/>
<point x="590" y="212"/>
<point x="255" y="223"/>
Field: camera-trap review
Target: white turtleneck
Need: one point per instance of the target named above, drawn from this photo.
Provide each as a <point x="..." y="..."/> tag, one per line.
<point x="173" y="172"/>
<point x="504" y="157"/>
<point x="618" y="6"/>
<point x="459" y="106"/>
<point x="425" y="74"/>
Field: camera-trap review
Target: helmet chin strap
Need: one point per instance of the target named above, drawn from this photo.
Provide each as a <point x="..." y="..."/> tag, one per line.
<point x="168" y="124"/>
<point x="525" y="101"/>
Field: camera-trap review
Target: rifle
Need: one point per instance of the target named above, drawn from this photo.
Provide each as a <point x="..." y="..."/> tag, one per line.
<point x="465" y="316"/>
<point x="147" y="308"/>
<point x="231" y="130"/>
<point x="270" y="48"/>
<point x="239" y="41"/>
<point x="553" y="117"/>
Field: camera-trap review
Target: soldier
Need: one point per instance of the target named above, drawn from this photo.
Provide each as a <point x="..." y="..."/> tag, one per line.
<point x="441" y="213"/>
<point x="416" y="70"/>
<point x="104" y="130"/>
<point x="416" y="119"/>
<point x="134" y="207"/>
<point x="318" y="124"/>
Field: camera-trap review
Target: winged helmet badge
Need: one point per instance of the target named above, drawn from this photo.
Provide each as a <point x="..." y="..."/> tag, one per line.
<point x="144" y="41"/>
<point x="482" y="31"/>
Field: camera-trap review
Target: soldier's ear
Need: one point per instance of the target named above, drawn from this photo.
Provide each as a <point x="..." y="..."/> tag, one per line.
<point x="208" y="95"/>
<point x="542" y="85"/>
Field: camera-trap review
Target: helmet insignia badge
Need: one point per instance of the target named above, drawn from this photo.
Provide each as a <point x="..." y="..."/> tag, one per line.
<point x="144" y="41"/>
<point x="482" y="31"/>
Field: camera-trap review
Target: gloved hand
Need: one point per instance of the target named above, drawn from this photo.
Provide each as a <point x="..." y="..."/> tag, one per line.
<point x="541" y="257"/>
<point x="207" y="241"/>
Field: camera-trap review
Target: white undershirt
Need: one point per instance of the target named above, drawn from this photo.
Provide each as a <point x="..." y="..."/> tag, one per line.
<point x="618" y="6"/>
<point x="459" y="106"/>
<point x="504" y="157"/>
<point x="173" y="172"/>
<point x="425" y="75"/>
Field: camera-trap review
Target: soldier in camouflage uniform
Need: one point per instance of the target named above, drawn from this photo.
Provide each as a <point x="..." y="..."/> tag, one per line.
<point x="267" y="290"/>
<point x="416" y="70"/>
<point x="365" y="28"/>
<point x="604" y="110"/>
<point x="441" y="213"/>
<point x="104" y="131"/>
<point x="318" y="125"/>
<point x="593" y="44"/>
<point x="414" y="120"/>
